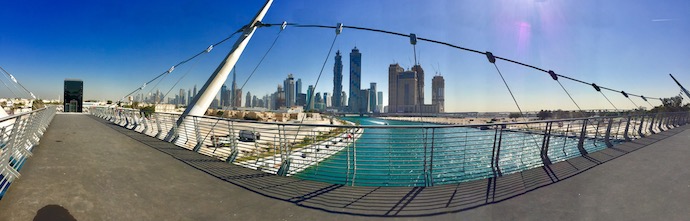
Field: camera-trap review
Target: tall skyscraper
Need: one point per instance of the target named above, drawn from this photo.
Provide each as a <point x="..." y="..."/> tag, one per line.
<point x="182" y="100"/>
<point x="189" y="97"/>
<point x="404" y="94"/>
<point x="438" y="85"/>
<point x="364" y="101"/>
<point x="289" y="86"/>
<point x="327" y="99"/>
<point x="233" y="89"/>
<point x="379" y="101"/>
<point x="337" y="79"/>
<point x="310" y="97"/>
<point x="355" y="80"/>
<point x="255" y="101"/>
<point x="224" y="96"/>
<point x="420" y="83"/>
<point x="406" y="91"/>
<point x="280" y="97"/>
<point x="249" y="100"/>
<point x="372" y="97"/>
<point x="194" y="92"/>
<point x="298" y="86"/>
<point x="318" y="102"/>
<point x="238" y="98"/>
<point x="393" y="71"/>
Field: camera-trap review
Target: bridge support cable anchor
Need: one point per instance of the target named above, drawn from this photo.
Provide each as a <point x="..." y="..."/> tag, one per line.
<point x="597" y="88"/>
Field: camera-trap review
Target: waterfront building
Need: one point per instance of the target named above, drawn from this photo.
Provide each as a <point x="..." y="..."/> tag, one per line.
<point x="437" y="92"/>
<point x="406" y="91"/>
<point x="337" y="79"/>
<point x="372" y="97"/>
<point x="289" y="86"/>
<point x="379" y="101"/>
<point x="355" y="80"/>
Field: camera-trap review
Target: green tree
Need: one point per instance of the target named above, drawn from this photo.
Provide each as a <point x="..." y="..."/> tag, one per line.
<point x="148" y="110"/>
<point x="671" y="104"/>
<point x="514" y="115"/>
<point x="37" y="104"/>
<point x="544" y="114"/>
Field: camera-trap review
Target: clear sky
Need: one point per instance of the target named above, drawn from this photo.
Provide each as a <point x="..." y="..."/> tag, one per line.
<point x="116" y="46"/>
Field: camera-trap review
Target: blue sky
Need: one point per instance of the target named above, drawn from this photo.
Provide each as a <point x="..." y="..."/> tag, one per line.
<point x="116" y="46"/>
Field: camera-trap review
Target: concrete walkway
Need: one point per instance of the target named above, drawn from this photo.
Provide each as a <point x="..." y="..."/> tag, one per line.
<point x="90" y="169"/>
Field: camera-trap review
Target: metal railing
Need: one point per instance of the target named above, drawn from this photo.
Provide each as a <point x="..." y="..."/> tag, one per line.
<point x="18" y="136"/>
<point x="374" y="154"/>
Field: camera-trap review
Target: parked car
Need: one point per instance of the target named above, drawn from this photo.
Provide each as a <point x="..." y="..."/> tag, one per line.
<point x="246" y="135"/>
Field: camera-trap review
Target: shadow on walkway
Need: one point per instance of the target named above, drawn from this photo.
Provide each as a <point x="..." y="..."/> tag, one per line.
<point x="393" y="201"/>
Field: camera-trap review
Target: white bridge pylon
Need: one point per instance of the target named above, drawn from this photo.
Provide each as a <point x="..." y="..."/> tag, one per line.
<point x="203" y="99"/>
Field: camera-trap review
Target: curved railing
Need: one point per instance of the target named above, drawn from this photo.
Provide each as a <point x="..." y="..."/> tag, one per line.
<point x="394" y="155"/>
<point x="18" y="136"/>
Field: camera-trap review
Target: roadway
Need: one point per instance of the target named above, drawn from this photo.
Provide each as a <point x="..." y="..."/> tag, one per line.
<point x="94" y="170"/>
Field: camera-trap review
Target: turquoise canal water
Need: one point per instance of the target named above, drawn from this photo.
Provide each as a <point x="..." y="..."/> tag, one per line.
<point x="421" y="157"/>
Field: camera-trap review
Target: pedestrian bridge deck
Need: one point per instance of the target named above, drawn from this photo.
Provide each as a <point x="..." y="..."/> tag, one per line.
<point x="96" y="170"/>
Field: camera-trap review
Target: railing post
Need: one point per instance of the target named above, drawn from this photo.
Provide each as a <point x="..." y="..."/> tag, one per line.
<point x="174" y="132"/>
<point x="496" y="151"/>
<point x="607" y="137"/>
<point x="158" y="125"/>
<point x="146" y="124"/>
<point x="583" y="134"/>
<point x="639" y="128"/>
<point x="627" y="127"/>
<point x="651" y="124"/>
<point x="431" y="164"/>
<point x="284" y="168"/>
<point x="545" y="144"/>
<point x="199" y="141"/>
<point x="233" y="146"/>
<point x="661" y="121"/>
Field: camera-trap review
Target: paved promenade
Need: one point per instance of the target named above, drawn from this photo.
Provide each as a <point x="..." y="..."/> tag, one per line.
<point x="90" y="169"/>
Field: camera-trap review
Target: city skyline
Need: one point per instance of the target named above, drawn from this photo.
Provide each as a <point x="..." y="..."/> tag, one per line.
<point x="116" y="47"/>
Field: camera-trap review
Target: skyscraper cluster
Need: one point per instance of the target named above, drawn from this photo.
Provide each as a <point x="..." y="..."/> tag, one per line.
<point x="406" y="91"/>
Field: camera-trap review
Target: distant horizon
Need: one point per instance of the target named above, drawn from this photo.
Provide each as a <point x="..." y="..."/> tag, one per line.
<point x="115" y="47"/>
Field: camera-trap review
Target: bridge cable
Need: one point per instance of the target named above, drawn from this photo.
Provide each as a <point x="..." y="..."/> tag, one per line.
<point x="9" y="88"/>
<point x="180" y="79"/>
<point x="461" y="48"/>
<point x="309" y="100"/>
<point x="554" y="76"/>
<point x="207" y="50"/>
<point x="492" y="60"/>
<point x="11" y="77"/>
<point x="224" y="109"/>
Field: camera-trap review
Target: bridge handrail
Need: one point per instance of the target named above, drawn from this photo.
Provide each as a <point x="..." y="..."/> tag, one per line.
<point x="419" y="155"/>
<point x="19" y="134"/>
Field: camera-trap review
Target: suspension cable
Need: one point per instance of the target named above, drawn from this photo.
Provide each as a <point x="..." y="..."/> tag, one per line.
<point x="458" y="47"/>
<point x="17" y="83"/>
<point x="9" y="88"/>
<point x="180" y="79"/>
<point x="207" y="50"/>
<point x="328" y="55"/>
<point x="224" y="109"/>
<point x="492" y="59"/>
<point x="614" y="106"/>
